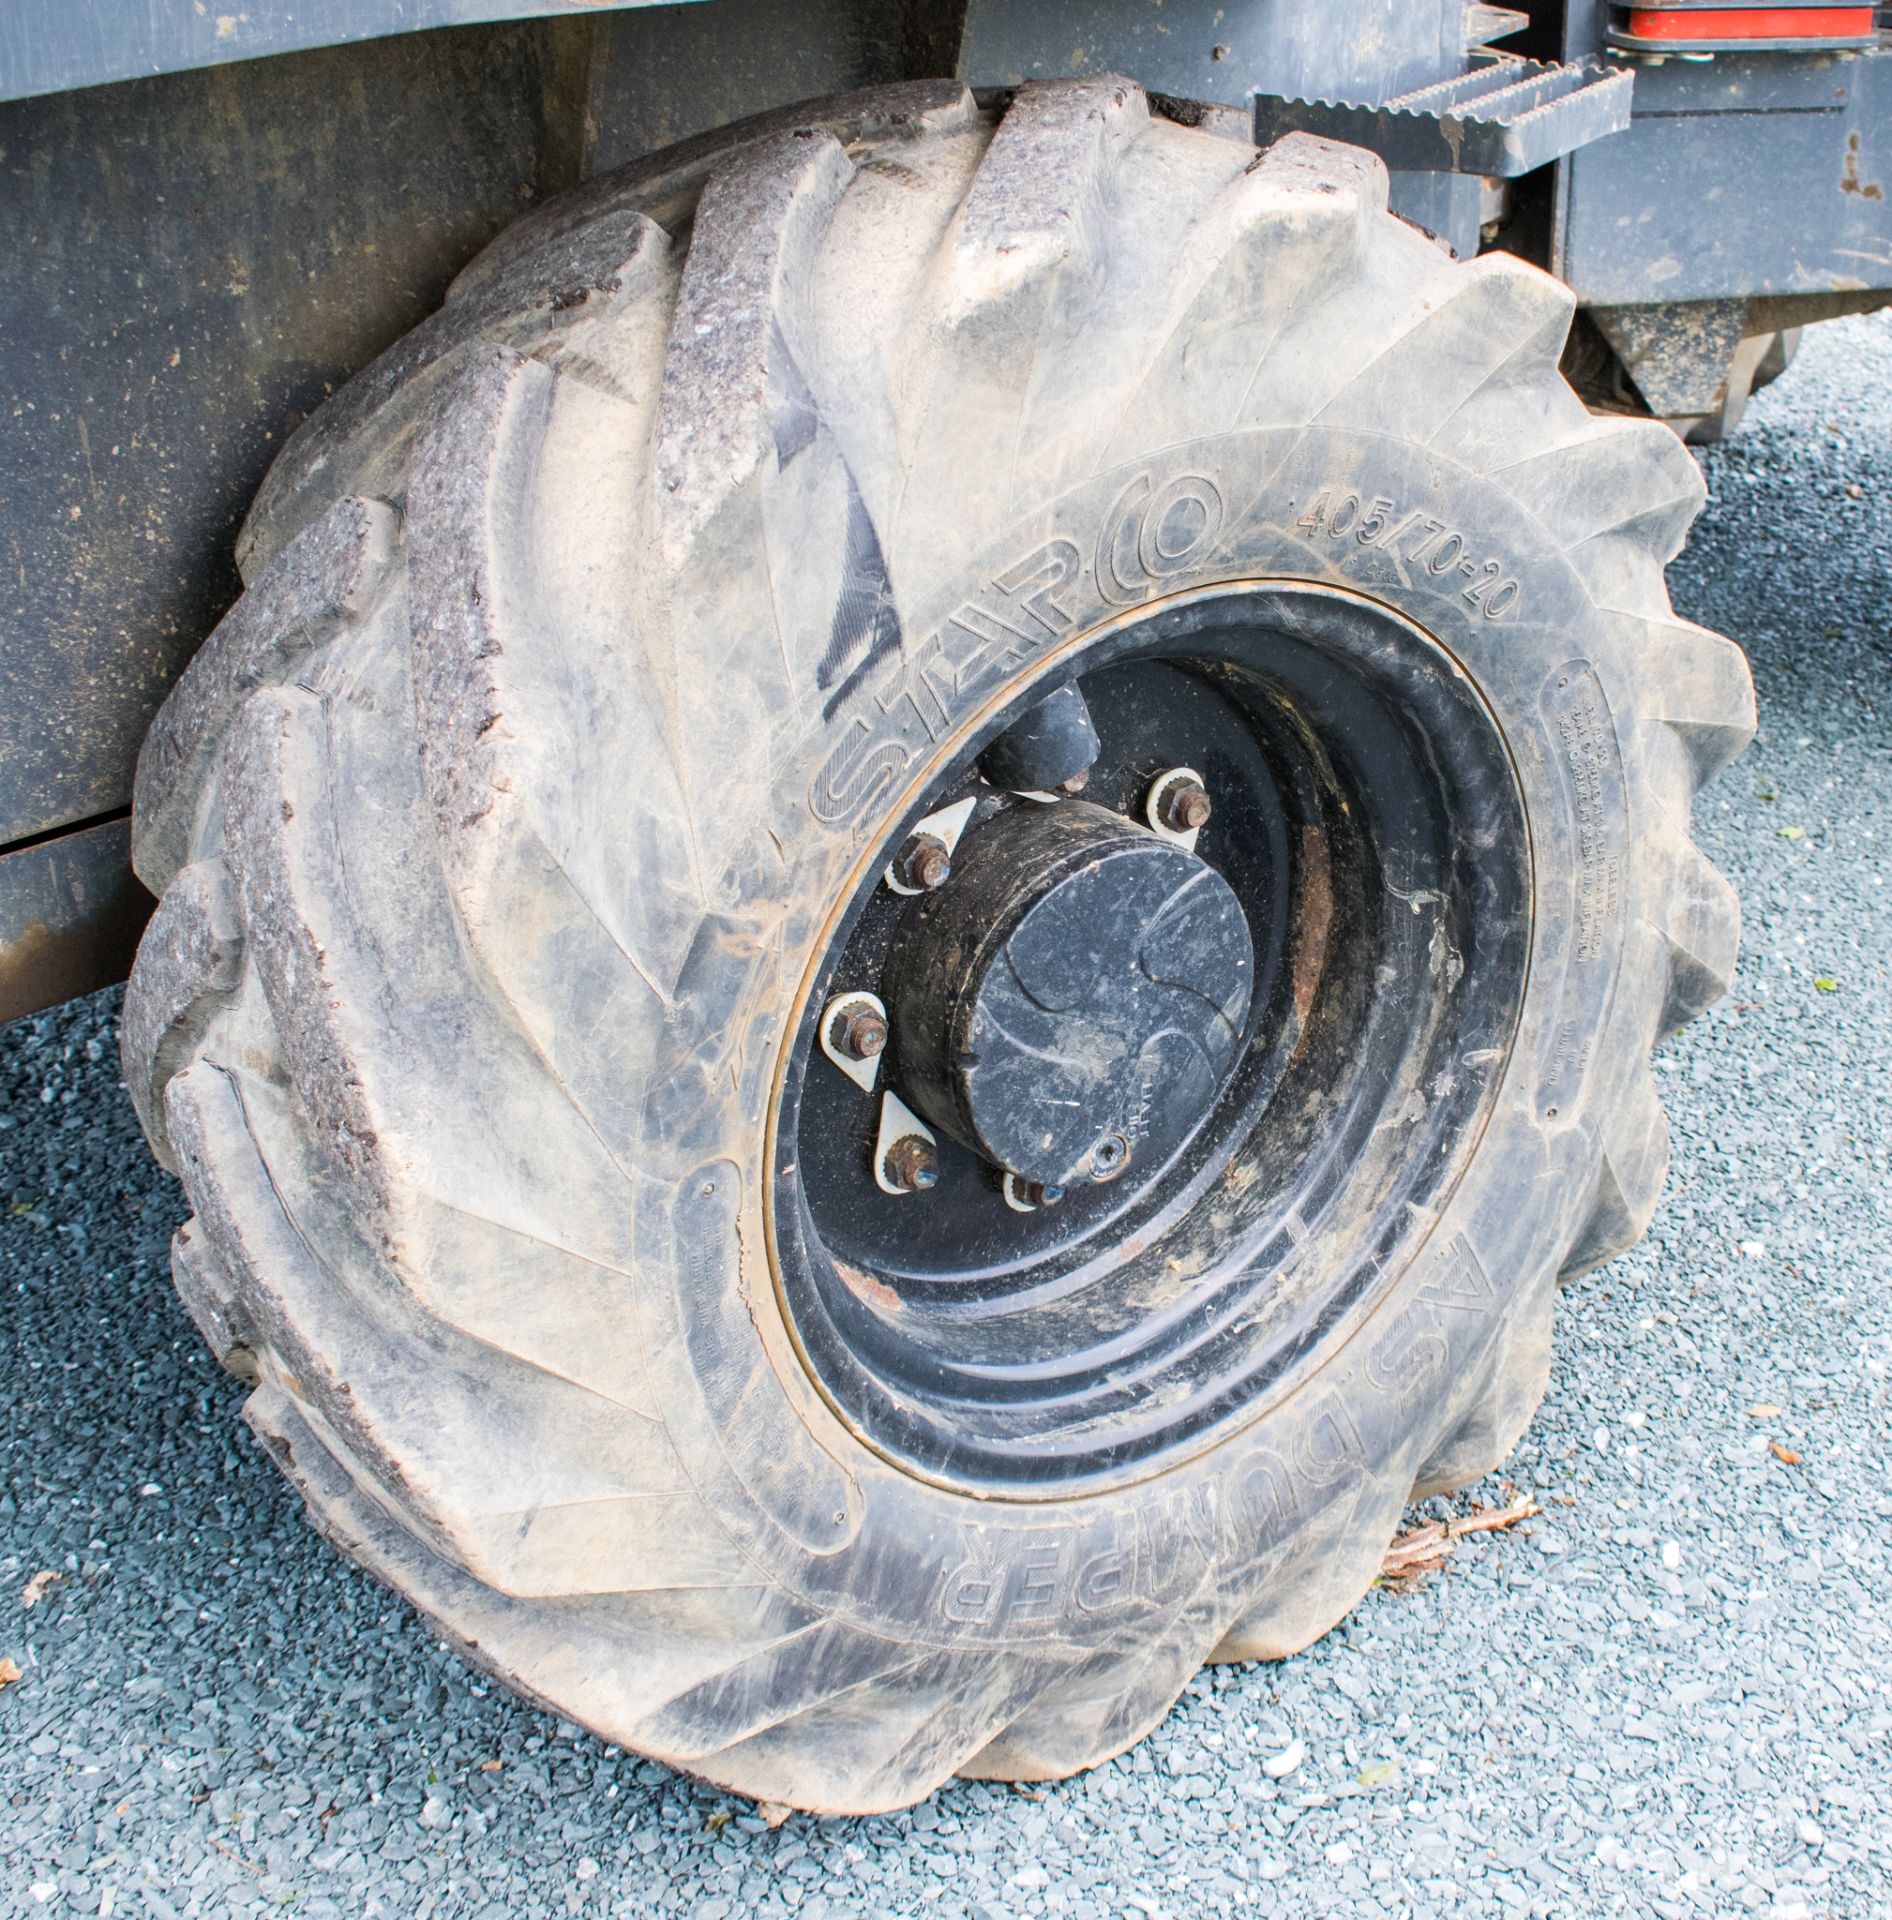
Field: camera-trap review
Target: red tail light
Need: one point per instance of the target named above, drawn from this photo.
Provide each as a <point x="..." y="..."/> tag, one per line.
<point x="1750" y="23"/>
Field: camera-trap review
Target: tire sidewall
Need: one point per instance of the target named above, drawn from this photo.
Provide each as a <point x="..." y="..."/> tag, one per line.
<point x="817" y="1510"/>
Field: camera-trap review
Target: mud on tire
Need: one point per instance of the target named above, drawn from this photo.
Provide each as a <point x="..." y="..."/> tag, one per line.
<point x="601" y="637"/>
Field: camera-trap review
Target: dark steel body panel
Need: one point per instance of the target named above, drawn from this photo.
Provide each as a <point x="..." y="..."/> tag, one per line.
<point x="1743" y="175"/>
<point x="190" y="263"/>
<point x="70" y="916"/>
<point x="53" y="46"/>
<point x="1202" y="50"/>
<point x="187" y="267"/>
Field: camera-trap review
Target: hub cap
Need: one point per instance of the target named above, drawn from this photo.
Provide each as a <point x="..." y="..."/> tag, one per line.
<point x="1083" y="984"/>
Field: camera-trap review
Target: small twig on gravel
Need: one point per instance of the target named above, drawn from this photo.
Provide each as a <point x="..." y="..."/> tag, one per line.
<point x="249" y="1865"/>
<point x="35" y="1589"/>
<point x="1424" y="1550"/>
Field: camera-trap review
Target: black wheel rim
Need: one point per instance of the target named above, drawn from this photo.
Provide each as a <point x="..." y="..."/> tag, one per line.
<point x="1368" y="820"/>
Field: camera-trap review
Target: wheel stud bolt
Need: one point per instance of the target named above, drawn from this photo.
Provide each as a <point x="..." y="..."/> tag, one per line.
<point x="859" y="1034"/>
<point x="1185" y="807"/>
<point x="1077" y="782"/>
<point x="924" y="863"/>
<point x="912" y="1164"/>
<point x="1042" y="1194"/>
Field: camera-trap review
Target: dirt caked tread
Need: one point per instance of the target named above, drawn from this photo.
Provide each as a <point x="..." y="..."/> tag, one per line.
<point x="483" y="909"/>
<point x="327" y="576"/>
<point x="190" y="962"/>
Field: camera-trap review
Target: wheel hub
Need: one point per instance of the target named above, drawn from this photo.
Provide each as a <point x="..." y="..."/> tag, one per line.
<point x="1074" y="1000"/>
<point x="1195" y="1061"/>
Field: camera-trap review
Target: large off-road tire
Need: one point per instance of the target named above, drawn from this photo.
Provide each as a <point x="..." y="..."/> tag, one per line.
<point x="601" y="644"/>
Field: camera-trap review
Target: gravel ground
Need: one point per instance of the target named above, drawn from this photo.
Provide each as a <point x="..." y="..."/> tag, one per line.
<point x="1671" y="1696"/>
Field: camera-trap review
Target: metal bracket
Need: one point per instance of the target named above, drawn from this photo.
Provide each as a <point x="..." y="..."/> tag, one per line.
<point x="862" y="1072"/>
<point x="945" y="826"/>
<point x="1184" y="837"/>
<point x="897" y="1121"/>
<point x="1482" y="23"/>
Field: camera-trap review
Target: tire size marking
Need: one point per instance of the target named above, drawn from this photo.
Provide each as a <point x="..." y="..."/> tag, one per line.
<point x="1415" y="538"/>
<point x="1583" y="734"/>
<point x="1589" y="761"/>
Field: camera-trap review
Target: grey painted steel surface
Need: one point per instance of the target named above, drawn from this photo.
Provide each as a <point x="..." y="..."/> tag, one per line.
<point x="187" y="266"/>
<point x="1742" y="175"/>
<point x="1747" y="174"/>
<point x="1201" y="50"/>
<point x="663" y="74"/>
<point x="49" y="46"/>
<point x="1678" y="353"/>
<point x="70" y="914"/>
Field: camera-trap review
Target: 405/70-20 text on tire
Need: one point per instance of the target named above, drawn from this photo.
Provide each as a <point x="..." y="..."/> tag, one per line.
<point x="921" y="899"/>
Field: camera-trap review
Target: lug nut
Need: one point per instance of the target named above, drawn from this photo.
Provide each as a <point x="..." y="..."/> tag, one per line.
<point x="860" y="1034"/>
<point x="912" y="1164"/>
<point x="1185" y="807"/>
<point x="924" y="863"/>
<point x="1027" y="1196"/>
